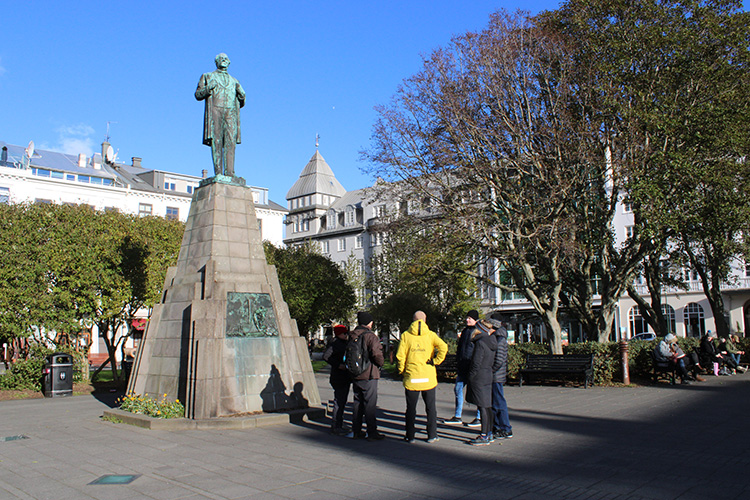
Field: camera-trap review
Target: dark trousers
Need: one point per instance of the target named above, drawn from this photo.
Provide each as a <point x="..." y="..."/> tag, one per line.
<point x="411" y="412"/>
<point x="485" y="415"/>
<point x="340" y="395"/>
<point x="500" y="408"/>
<point x="365" y="405"/>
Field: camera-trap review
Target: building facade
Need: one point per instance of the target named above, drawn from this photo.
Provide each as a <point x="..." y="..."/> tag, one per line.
<point x="344" y="226"/>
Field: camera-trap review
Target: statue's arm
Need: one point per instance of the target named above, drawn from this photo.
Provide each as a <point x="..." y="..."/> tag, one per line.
<point x="203" y="90"/>
<point x="240" y="94"/>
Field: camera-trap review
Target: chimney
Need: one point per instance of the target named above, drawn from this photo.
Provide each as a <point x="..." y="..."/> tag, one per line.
<point x="81" y="160"/>
<point x="136" y="161"/>
<point x="204" y="173"/>
<point x="5" y="155"/>
<point x="105" y="146"/>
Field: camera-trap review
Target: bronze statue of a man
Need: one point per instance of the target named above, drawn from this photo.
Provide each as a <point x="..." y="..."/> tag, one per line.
<point x="221" y="121"/>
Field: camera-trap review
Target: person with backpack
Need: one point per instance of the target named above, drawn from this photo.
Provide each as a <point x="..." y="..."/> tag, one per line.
<point x="419" y="350"/>
<point x="364" y="358"/>
<point x="340" y="380"/>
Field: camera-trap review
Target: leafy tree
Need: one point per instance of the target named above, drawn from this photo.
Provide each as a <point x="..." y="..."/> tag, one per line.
<point x="65" y="268"/>
<point x="416" y="270"/>
<point x="490" y="132"/>
<point x="313" y="286"/>
<point x="669" y="89"/>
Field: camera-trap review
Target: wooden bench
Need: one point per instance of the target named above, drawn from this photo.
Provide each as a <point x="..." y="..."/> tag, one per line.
<point x="559" y="364"/>
<point x="448" y="367"/>
<point x="662" y="369"/>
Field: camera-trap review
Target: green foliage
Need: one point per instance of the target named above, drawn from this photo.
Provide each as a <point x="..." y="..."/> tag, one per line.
<point x="158" y="407"/>
<point x="314" y="287"/>
<point x="417" y="270"/>
<point x="27" y="373"/>
<point x="66" y="268"/>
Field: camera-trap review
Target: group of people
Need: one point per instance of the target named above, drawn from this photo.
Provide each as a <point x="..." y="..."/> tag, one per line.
<point x="722" y="353"/>
<point x="719" y="354"/>
<point x="482" y="353"/>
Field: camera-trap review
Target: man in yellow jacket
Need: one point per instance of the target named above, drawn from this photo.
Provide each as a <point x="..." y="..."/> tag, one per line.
<point x="419" y="350"/>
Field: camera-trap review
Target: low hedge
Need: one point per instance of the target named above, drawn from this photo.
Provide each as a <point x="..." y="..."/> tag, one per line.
<point x="27" y="373"/>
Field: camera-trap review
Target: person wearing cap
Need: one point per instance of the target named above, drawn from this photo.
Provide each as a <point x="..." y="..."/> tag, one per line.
<point x="464" y="349"/>
<point x="340" y="379"/>
<point x="419" y="350"/>
<point x="501" y="422"/>
<point x="365" y="386"/>
<point x="481" y="378"/>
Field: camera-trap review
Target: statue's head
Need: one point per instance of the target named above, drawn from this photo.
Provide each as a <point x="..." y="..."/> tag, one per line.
<point x="222" y="61"/>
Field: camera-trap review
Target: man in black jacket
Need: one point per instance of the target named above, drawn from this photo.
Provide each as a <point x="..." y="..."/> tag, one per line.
<point x="502" y="427"/>
<point x="366" y="385"/>
<point x="464" y="350"/>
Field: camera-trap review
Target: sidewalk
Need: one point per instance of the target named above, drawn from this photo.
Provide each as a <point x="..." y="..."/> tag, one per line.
<point x="650" y="442"/>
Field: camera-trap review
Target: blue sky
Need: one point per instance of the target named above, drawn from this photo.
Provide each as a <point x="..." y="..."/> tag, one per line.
<point x="68" y="68"/>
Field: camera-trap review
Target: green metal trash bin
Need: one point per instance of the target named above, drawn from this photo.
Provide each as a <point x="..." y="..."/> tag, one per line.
<point x="58" y="375"/>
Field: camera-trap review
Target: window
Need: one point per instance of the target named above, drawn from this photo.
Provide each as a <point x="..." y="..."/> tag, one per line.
<point x="145" y="209"/>
<point x="359" y="241"/>
<point x="169" y="186"/>
<point x="331" y="219"/>
<point x="628" y="232"/>
<point x="173" y="213"/>
<point x="190" y="189"/>
<point x="637" y="322"/>
<point x="380" y="211"/>
<point x="4" y="195"/>
<point x="43" y="201"/>
<point x="376" y="239"/>
<point x="669" y="317"/>
<point x="349" y="220"/>
<point x="57" y="175"/>
<point x="325" y="247"/>
<point x="83" y="178"/>
<point x="70" y="177"/>
<point x="342" y="244"/>
<point x="695" y="325"/>
<point x="627" y="207"/>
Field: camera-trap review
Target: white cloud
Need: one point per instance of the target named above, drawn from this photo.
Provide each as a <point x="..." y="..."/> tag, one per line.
<point x="76" y="139"/>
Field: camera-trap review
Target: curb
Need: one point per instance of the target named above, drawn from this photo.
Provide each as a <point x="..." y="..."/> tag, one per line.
<point x="184" y="424"/>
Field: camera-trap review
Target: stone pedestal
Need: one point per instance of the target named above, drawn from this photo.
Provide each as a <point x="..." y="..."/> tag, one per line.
<point x="221" y="340"/>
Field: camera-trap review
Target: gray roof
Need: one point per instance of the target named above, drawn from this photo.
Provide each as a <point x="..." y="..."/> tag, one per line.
<point x="354" y="198"/>
<point x="316" y="177"/>
<point x="59" y="162"/>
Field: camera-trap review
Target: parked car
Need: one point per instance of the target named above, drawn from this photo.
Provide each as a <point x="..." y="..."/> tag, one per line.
<point x="644" y="336"/>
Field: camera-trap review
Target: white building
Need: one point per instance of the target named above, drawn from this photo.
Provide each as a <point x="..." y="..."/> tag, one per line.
<point x="105" y="184"/>
<point x="343" y="222"/>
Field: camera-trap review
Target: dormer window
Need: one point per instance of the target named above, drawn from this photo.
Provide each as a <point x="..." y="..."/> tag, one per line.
<point x="331" y="219"/>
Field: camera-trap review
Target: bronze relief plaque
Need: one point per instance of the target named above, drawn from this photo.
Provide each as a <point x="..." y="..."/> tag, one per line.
<point x="250" y="315"/>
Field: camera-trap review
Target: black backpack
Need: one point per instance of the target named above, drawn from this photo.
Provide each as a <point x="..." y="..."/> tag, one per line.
<point x="356" y="357"/>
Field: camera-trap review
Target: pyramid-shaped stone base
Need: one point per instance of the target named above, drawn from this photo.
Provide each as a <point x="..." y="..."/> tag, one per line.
<point x="222" y="340"/>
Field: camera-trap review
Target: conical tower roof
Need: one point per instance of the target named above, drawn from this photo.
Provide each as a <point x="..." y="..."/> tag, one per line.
<point x="316" y="177"/>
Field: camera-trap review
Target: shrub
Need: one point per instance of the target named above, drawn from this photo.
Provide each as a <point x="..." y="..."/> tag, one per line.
<point x="27" y="373"/>
<point x="152" y="407"/>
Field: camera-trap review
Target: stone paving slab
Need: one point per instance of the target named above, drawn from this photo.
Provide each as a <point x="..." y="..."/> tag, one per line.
<point x="656" y="442"/>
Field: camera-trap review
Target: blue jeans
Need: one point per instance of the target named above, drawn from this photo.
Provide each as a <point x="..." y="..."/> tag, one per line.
<point x="459" y="392"/>
<point x="500" y="408"/>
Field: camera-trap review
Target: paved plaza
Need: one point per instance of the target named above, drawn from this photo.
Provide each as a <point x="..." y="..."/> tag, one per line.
<point x="602" y="443"/>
